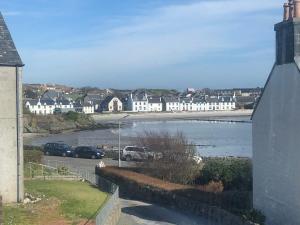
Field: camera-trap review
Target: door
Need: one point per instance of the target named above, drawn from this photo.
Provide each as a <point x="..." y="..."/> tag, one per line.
<point x="116" y="106"/>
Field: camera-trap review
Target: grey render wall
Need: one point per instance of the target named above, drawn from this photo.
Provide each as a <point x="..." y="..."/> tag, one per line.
<point x="276" y="148"/>
<point x="11" y="185"/>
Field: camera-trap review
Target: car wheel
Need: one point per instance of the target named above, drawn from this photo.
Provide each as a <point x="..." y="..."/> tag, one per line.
<point x="47" y="153"/>
<point x="128" y="158"/>
<point x="93" y="157"/>
<point x="64" y="154"/>
<point x="76" y="156"/>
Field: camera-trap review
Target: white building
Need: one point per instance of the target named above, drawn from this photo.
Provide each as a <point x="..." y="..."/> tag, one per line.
<point x="85" y="108"/>
<point x="186" y="104"/>
<point x="276" y="129"/>
<point x="171" y="104"/>
<point x="48" y="106"/>
<point x="41" y="106"/>
<point x="112" y="104"/>
<point x="138" y="102"/>
<point x="155" y="104"/>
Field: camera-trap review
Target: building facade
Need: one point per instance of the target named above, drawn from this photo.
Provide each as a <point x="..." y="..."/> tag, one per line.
<point x="112" y="104"/>
<point x="276" y="129"/>
<point x="155" y="104"/>
<point x="11" y="124"/>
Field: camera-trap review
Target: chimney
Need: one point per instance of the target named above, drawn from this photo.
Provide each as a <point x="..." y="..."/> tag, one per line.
<point x="286" y="13"/>
<point x="297" y="8"/>
<point x="291" y="9"/>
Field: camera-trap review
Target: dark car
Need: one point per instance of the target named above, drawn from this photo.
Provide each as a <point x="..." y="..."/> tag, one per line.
<point x="58" y="149"/>
<point x="88" y="152"/>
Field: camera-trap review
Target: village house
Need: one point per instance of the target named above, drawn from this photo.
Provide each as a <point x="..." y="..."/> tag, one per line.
<point x="199" y="104"/>
<point x="186" y="104"/>
<point x="112" y="104"/>
<point x="155" y="104"/>
<point x="47" y="106"/>
<point x="95" y="100"/>
<point x="138" y="102"/>
<point x="85" y="108"/>
<point x="40" y="106"/>
<point x="171" y="104"/>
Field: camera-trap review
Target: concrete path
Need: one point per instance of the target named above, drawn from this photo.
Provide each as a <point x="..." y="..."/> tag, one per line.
<point x="140" y="213"/>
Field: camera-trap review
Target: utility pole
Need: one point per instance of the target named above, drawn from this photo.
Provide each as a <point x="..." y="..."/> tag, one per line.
<point x="120" y="138"/>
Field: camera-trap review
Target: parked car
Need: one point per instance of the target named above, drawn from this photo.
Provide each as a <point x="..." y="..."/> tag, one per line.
<point x="58" y="149"/>
<point x="88" y="152"/>
<point x="137" y="153"/>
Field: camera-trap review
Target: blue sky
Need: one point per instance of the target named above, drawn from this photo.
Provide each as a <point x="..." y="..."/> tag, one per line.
<point x="145" y="43"/>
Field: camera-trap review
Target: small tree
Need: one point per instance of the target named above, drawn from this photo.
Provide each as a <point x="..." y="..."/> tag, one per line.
<point x="175" y="161"/>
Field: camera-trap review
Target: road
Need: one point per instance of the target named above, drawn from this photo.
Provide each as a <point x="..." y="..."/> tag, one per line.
<point x="133" y="212"/>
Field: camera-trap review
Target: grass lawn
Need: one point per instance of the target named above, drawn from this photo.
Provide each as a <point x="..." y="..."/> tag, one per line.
<point x="63" y="202"/>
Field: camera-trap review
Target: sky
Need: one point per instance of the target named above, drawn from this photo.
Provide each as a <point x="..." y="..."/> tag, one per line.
<point x="131" y="44"/>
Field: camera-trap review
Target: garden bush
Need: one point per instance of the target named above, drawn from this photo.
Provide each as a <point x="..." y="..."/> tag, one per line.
<point x="235" y="174"/>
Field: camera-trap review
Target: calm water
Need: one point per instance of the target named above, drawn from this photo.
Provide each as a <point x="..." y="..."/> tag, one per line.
<point x="216" y="138"/>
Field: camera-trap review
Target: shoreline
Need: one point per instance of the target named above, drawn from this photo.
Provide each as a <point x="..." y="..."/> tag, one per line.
<point x="158" y="116"/>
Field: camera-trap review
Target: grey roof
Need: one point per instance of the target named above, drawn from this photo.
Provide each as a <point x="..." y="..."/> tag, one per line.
<point x="154" y="100"/>
<point x="9" y="55"/>
<point x="32" y="101"/>
<point x="170" y="99"/>
<point x="186" y="100"/>
<point x="51" y="94"/>
<point x="47" y="102"/>
<point x="139" y="97"/>
<point x="245" y="99"/>
<point x="63" y="101"/>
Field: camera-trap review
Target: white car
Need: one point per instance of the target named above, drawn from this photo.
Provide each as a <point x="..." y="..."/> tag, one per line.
<point x="136" y="153"/>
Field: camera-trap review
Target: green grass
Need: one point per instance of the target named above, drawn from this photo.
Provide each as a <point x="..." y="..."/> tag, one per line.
<point x="70" y="200"/>
<point x="78" y="199"/>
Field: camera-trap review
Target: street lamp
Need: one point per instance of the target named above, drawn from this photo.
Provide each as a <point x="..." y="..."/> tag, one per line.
<point x="120" y="138"/>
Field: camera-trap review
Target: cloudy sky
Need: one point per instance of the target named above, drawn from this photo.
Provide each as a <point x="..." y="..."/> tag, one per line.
<point x="145" y="43"/>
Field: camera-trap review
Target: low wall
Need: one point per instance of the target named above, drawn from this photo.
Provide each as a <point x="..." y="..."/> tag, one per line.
<point x="133" y="190"/>
<point x="110" y="213"/>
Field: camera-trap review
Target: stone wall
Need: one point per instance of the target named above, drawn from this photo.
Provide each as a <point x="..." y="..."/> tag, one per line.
<point x="110" y="212"/>
<point x="133" y="190"/>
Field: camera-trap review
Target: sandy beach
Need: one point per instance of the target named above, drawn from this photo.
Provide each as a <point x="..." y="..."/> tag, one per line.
<point x="170" y="116"/>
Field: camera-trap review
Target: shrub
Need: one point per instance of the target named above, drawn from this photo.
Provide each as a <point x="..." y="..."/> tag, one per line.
<point x="176" y="164"/>
<point x="33" y="156"/>
<point x="74" y="116"/>
<point x="235" y="174"/>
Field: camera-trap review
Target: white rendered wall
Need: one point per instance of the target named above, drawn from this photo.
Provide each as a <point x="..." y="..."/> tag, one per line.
<point x="9" y="136"/>
<point x="276" y="148"/>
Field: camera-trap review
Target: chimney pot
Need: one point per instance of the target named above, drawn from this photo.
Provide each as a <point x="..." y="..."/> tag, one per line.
<point x="291" y="9"/>
<point x="286" y="13"/>
<point x="297" y="8"/>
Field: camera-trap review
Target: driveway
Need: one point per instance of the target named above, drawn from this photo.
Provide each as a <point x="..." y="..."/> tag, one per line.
<point x="133" y="212"/>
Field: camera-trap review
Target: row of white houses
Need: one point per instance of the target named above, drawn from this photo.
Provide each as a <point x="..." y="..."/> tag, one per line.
<point x="49" y="106"/>
<point x="135" y="103"/>
<point x="143" y="103"/>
